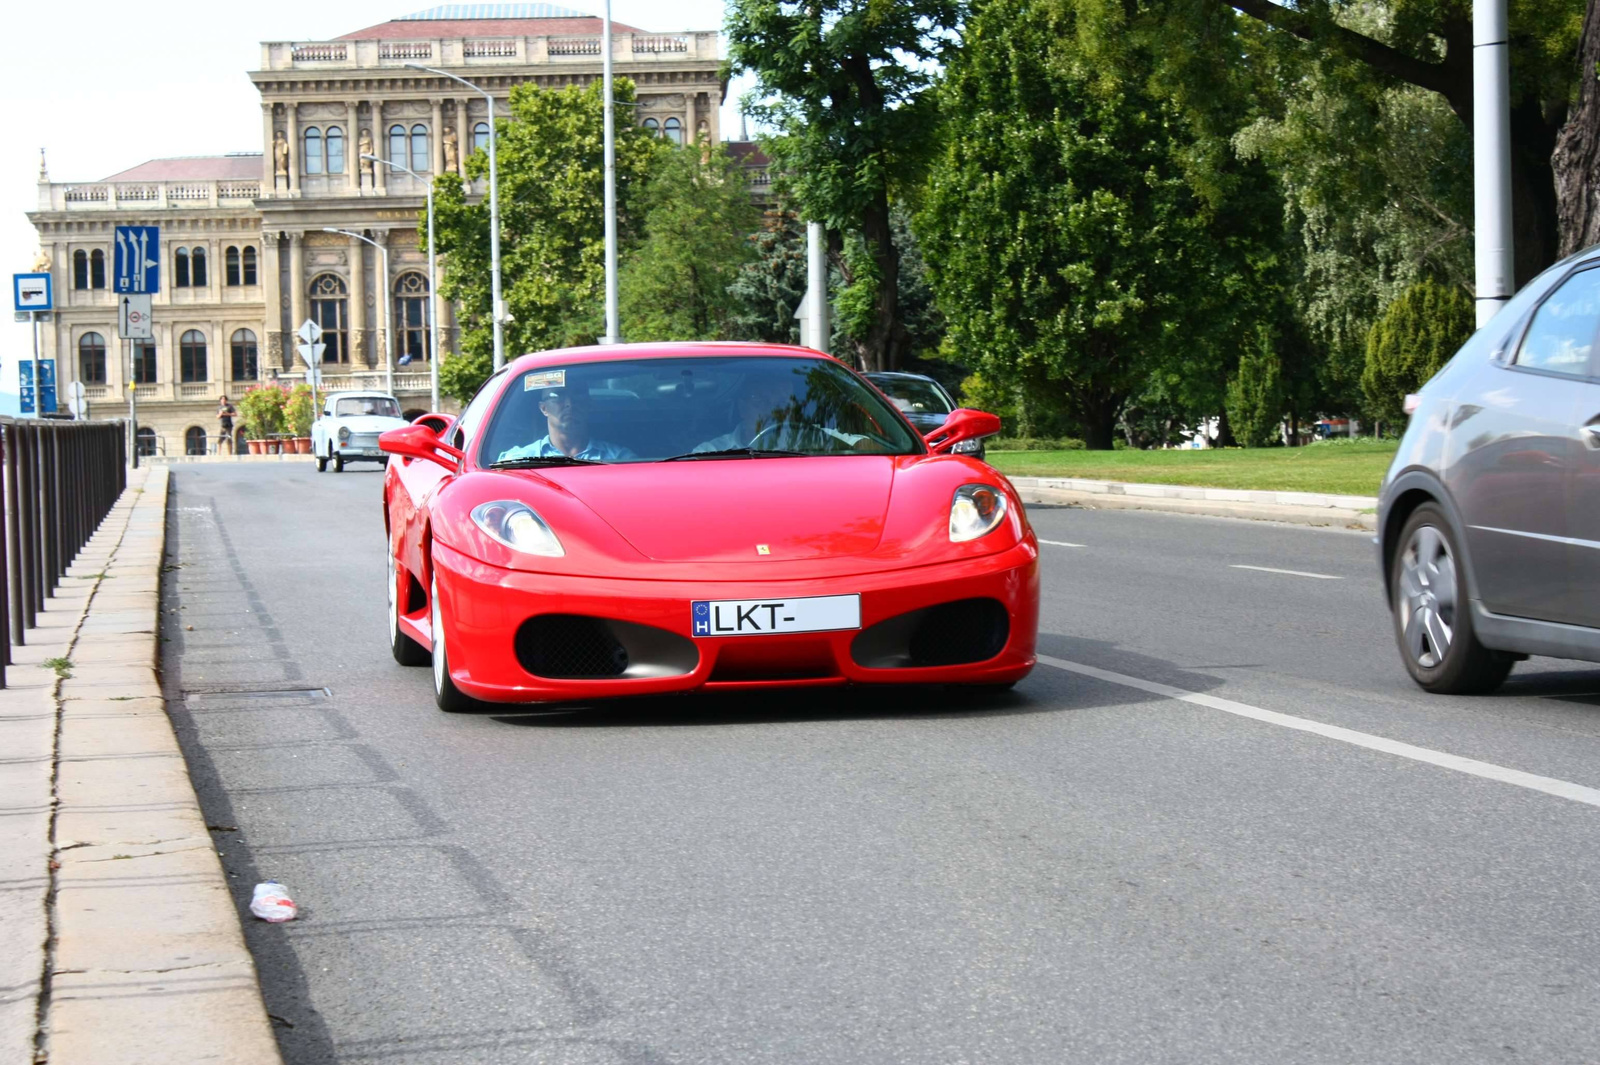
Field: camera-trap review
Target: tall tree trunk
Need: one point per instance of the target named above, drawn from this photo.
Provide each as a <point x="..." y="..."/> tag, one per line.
<point x="1577" y="156"/>
<point x="1099" y="415"/>
<point x="883" y="346"/>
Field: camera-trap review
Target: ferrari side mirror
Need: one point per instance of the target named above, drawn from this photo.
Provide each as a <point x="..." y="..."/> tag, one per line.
<point x="420" y="442"/>
<point x="439" y="423"/>
<point x="962" y="424"/>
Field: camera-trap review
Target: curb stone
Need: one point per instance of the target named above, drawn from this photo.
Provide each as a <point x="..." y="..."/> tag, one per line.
<point x="1300" y="508"/>
<point x="146" y="962"/>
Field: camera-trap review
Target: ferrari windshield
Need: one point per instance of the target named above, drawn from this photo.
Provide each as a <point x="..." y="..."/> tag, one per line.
<point x="689" y="409"/>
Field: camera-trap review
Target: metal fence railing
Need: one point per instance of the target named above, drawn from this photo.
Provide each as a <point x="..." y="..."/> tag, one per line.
<point x="61" y="479"/>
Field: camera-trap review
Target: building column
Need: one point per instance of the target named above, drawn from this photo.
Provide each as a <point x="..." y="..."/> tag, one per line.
<point x="297" y="298"/>
<point x="268" y="184"/>
<point x="447" y="327"/>
<point x="380" y="148"/>
<point x="272" y="297"/>
<point x="385" y="291"/>
<point x="352" y="146"/>
<point x="436" y="141"/>
<point x="358" y="302"/>
<point x="293" y="135"/>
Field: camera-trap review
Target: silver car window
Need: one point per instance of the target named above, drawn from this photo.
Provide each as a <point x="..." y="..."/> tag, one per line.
<point x="1561" y="337"/>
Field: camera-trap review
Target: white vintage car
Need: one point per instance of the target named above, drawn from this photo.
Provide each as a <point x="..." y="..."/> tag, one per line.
<point x="349" y="426"/>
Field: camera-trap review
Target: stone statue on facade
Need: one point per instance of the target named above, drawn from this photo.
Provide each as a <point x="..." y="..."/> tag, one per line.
<point x="364" y="148"/>
<point x="41" y="262"/>
<point x="280" y="158"/>
<point x="452" y="151"/>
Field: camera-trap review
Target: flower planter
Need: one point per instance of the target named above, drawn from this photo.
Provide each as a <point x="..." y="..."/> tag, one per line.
<point x="274" y="447"/>
<point x="302" y="445"/>
<point x="256" y="446"/>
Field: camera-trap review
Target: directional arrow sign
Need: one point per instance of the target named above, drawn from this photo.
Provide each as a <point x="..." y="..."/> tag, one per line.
<point x="138" y="255"/>
<point x="133" y="317"/>
<point x="309" y="331"/>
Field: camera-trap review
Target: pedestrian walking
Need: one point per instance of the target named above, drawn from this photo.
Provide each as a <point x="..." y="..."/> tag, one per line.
<point x="225" y="416"/>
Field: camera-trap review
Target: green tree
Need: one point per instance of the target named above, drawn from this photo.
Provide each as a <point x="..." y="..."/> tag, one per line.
<point x="1416" y="336"/>
<point x="1256" y="392"/>
<point x="551" y="161"/>
<point x="770" y="287"/>
<point x="845" y="85"/>
<point x="697" y="219"/>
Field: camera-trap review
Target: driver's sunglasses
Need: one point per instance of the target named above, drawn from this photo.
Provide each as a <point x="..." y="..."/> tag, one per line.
<point x="572" y="397"/>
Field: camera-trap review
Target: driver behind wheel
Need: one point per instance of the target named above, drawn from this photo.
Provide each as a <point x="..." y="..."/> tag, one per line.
<point x="566" y="412"/>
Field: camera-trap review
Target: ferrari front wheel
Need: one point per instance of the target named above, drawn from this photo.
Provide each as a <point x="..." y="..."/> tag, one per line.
<point x="451" y="699"/>
<point x="406" y="651"/>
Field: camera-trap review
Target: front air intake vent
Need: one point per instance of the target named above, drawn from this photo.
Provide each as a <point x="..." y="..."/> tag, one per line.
<point x="567" y="646"/>
<point x="950" y="634"/>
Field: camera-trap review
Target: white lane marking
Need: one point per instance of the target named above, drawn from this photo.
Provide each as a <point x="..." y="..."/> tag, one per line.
<point x="1059" y="543"/>
<point x="1488" y="770"/>
<point x="1290" y="572"/>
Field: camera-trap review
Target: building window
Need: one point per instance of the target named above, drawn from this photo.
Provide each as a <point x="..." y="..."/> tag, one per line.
<point x="653" y="127"/>
<point x="92" y="359"/>
<point x="230" y="266"/>
<point x="335" y="143"/>
<point x="673" y="130"/>
<point x="249" y="266"/>
<point x="411" y="316"/>
<point x="397" y="145"/>
<point x="144" y="362"/>
<point x="180" y="268"/>
<point x="192" y="356"/>
<point x="328" y="309"/>
<point x="480" y="136"/>
<point x="97" y="269"/>
<point x="419" y="149"/>
<point x="313" y="152"/>
<point x="80" y="269"/>
<point x="194" y="440"/>
<point x="243" y="346"/>
<point x="197" y="267"/>
<point x="146" y="438"/>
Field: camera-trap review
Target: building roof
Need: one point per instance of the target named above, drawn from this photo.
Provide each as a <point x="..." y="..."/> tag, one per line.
<point x="230" y="167"/>
<point x="748" y="153"/>
<point x="486" y="20"/>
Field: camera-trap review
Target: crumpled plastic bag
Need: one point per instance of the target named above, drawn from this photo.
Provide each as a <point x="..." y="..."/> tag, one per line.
<point x="271" y="902"/>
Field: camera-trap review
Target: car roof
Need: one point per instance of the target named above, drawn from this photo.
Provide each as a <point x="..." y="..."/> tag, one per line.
<point x="362" y="395"/>
<point x="596" y="353"/>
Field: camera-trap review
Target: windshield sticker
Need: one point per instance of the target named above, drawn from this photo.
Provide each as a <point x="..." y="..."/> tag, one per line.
<point x="545" y="379"/>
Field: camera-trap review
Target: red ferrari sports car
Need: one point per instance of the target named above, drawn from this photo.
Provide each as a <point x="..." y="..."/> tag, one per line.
<point x="654" y="518"/>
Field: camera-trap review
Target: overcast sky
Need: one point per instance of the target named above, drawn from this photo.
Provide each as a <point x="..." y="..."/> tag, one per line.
<point x="104" y="86"/>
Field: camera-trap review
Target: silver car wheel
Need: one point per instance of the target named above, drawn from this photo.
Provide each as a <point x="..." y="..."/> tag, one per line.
<point x="1428" y="598"/>
<point x="437" y="625"/>
<point x="394" y="604"/>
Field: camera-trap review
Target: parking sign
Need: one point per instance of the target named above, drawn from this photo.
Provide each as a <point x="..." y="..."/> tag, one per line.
<point x="138" y="260"/>
<point x="32" y="292"/>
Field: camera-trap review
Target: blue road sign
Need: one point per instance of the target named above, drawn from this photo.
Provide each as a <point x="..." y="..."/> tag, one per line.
<point x="25" y="392"/>
<point x="37" y="396"/>
<point x="138" y="259"/>
<point x="47" y="386"/>
<point x="32" y="292"/>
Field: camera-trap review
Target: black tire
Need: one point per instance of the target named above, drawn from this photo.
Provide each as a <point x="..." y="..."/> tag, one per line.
<point x="406" y="651"/>
<point x="1432" y="611"/>
<point x="322" y="463"/>
<point x="450" y="699"/>
<point x="338" y="462"/>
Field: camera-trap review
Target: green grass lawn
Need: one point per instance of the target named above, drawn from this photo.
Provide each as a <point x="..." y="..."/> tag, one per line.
<point x="1346" y="469"/>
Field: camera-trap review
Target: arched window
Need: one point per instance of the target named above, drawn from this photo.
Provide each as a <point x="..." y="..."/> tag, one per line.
<point x="243" y="349"/>
<point x="197" y="267"/>
<point x="673" y="130"/>
<point x="192" y="356"/>
<point x="92" y="359"/>
<point x="230" y="265"/>
<point x="80" y="269"/>
<point x="419" y="149"/>
<point x="144" y="362"/>
<point x="335" y="141"/>
<point x="194" y="440"/>
<point x="146" y="438"/>
<point x="328" y="309"/>
<point x="249" y="266"/>
<point x="653" y="126"/>
<point x="397" y="145"/>
<point x="480" y="136"/>
<point x="180" y="268"/>
<point x="411" y="315"/>
<point x="313" y="152"/>
<point x="97" y="269"/>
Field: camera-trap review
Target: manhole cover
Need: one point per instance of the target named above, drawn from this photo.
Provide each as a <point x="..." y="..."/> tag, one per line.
<point x="201" y="698"/>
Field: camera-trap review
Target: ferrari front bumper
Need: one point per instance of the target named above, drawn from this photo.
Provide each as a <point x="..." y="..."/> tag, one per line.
<point x="484" y="607"/>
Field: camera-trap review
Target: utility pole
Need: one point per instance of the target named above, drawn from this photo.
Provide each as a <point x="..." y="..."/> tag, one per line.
<point x="613" y="331"/>
<point x="1491" y="158"/>
<point x="816" y="286"/>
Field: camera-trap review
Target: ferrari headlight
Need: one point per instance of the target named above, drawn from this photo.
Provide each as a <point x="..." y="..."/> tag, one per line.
<point x="966" y="447"/>
<point x="518" y="527"/>
<point x="975" y="511"/>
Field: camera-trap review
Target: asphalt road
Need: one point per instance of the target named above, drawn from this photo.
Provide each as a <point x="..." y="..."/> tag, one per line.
<point x="1085" y="870"/>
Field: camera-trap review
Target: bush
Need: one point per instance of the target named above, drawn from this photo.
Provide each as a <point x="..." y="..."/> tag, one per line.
<point x="261" y="409"/>
<point x="1034" y="443"/>
<point x="298" y="412"/>
<point x="1416" y="336"/>
<point x="1255" y="393"/>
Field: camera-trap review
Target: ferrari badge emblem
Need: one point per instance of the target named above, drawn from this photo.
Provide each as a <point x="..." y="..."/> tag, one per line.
<point x="763" y="549"/>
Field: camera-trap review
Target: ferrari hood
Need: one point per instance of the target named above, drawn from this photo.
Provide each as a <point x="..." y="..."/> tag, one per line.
<point x="730" y="510"/>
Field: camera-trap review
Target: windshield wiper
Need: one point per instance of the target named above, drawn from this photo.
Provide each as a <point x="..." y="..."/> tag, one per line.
<point x="533" y="462"/>
<point x="735" y="452"/>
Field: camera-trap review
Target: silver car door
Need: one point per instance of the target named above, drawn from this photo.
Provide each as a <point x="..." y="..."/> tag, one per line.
<point x="1583" y="504"/>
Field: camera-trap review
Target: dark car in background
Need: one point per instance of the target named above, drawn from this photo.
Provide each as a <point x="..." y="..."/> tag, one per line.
<point x="923" y="401"/>
<point x="1489" y="517"/>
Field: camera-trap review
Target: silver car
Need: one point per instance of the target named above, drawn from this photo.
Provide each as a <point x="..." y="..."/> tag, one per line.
<point x="1489" y="518"/>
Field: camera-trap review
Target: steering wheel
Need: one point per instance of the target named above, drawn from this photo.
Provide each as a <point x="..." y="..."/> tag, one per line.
<point x="802" y="437"/>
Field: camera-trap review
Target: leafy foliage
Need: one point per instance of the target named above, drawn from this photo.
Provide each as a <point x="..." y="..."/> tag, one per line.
<point x="261" y="410"/>
<point x="1256" y="393"/>
<point x="1416" y="336"/>
<point x="298" y="412"/>
<point x="771" y="286"/>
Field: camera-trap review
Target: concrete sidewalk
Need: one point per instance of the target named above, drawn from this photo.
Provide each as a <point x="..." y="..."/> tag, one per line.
<point x="1299" y="508"/>
<point x="130" y="947"/>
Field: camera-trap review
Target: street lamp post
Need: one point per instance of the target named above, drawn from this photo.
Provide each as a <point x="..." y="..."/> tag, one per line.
<point x="433" y="285"/>
<point x="497" y="314"/>
<point x="385" y="328"/>
<point x="612" y="329"/>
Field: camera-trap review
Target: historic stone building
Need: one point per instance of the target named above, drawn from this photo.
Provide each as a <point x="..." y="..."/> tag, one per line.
<point x="245" y="252"/>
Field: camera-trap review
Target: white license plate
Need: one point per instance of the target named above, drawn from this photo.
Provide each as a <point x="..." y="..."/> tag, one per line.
<point x="762" y="617"/>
